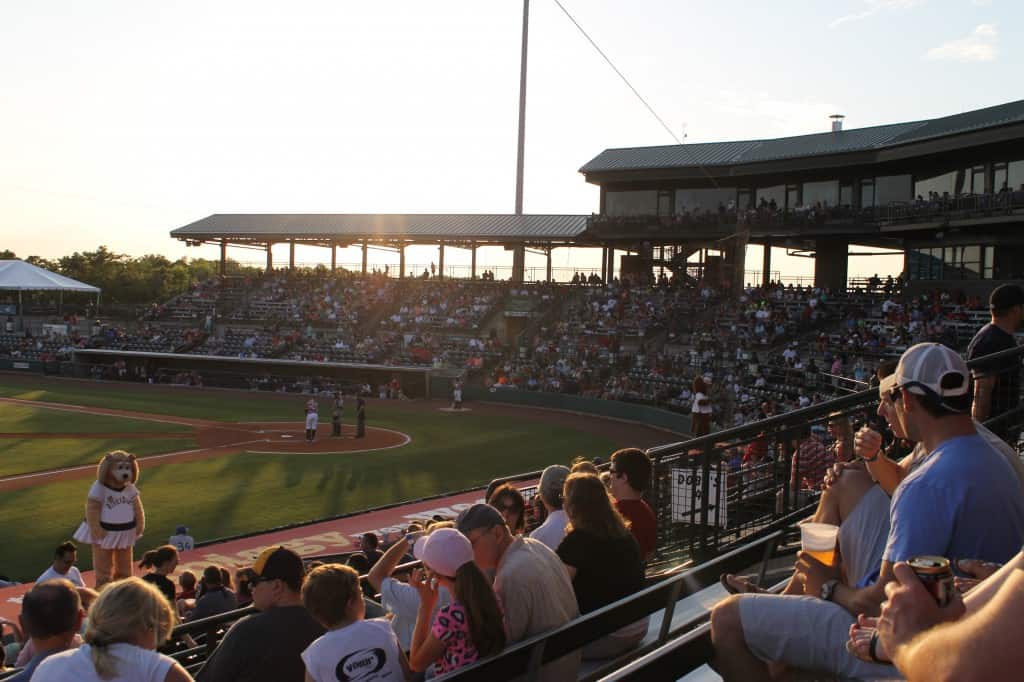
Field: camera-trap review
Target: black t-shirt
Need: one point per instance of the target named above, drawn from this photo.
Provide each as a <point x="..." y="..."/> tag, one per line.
<point x="1006" y="393"/>
<point x="266" y="647"/>
<point x="606" y="569"/>
<point x="163" y="583"/>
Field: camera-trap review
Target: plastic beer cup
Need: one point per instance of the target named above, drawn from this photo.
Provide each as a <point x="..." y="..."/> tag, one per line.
<point x="819" y="540"/>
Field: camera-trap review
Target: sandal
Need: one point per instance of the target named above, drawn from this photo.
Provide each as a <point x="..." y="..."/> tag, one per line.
<point x="741" y="585"/>
<point x="872" y="652"/>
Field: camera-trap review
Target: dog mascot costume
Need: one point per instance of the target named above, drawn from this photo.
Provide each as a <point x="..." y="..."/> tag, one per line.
<point x="114" y="517"/>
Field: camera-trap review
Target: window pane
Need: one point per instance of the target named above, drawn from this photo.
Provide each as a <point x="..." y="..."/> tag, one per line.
<point x="867" y="193"/>
<point x="999" y="177"/>
<point x="892" y="188"/>
<point x="767" y="194"/>
<point x="941" y="184"/>
<point x="700" y="200"/>
<point x="1015" y="176"/>
<point x="846" y="195"/>
<point x="826" y="193"/>
<point x="641" y="202"/>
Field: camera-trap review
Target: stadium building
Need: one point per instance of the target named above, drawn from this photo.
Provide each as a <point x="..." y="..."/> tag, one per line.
<point x="945" y="192"/>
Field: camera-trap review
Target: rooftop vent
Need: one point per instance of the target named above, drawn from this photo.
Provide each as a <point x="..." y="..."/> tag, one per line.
<point x="837" y="122"/>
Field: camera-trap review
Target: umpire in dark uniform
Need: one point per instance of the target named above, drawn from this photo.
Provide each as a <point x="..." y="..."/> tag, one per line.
<point x="360" y="418"/>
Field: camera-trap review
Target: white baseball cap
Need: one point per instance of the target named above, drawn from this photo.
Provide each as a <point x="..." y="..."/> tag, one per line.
<point x="444" y="551"/>
<point x="930" y="368"/>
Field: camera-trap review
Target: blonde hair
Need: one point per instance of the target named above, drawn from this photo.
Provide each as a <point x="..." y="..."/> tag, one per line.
<point x="123" y="610"/>
<point x="329" y="592"/>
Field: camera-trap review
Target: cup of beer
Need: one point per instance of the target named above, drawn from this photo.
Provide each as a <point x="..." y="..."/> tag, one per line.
<point x="819" y="540"/>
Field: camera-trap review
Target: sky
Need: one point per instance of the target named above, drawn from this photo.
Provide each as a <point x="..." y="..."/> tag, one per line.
<point x="122" y="120"/>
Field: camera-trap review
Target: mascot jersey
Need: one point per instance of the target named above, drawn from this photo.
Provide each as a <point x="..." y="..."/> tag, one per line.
<point x="117" y="516"/>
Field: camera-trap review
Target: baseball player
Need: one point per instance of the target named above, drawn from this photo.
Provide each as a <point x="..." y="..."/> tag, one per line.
<point x="312" y="417"/>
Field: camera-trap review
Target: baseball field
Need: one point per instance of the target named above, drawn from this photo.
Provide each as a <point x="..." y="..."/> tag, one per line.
<point x="230" y="462"/>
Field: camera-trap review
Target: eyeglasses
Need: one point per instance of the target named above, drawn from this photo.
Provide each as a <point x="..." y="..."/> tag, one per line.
<point x="510" y="507"/>
<point x="253" y="582"/>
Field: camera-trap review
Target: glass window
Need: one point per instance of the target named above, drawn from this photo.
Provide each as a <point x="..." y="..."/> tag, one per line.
<point x="986" y="272"/>
<point x="846" y="195"/>
<point x="941" y="184"/>
<point x="745" y="198"/>
<point x="701" y="200"/>
<point x="826" y="193"/>
<point x="893" y="188"/>
<point x="664" y="203"/>
<point x="867" y="193"/>
<point x="792" y="196"/>
<point x="641" y="202"/>
<point x="1015" y="176"/>
<point x="768" y="194"/>
<point x="999" y="177"/>
<point x="978" y="180"/>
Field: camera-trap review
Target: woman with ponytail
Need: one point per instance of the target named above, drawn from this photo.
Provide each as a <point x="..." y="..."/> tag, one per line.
<point x="468" y="629"/>
<point x="127" y="623"/>
<point x="163" y="560"/>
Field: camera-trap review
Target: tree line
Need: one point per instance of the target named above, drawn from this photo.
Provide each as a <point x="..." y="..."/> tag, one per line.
<point x="124" y="279"/>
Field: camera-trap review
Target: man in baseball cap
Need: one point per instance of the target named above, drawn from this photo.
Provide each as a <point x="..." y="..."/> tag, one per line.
<point x="530" y="580"/>
<point x="266" y="647"/>
<point x="552" y="481"/>
<point x="962" y="500"/>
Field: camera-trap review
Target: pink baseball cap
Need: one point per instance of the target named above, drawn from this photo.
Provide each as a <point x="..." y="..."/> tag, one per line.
<point x="444" y="551"/>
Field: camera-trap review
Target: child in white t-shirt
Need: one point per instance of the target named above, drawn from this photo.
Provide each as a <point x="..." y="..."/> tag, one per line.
<point x="351" y="647"/>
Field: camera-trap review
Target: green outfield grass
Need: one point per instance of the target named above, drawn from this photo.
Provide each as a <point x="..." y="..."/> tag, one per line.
<point x="29" y="419"/>
<point x="26" y="455"/>
<point x="213" y="404"/>
<point x="250" y="492"/>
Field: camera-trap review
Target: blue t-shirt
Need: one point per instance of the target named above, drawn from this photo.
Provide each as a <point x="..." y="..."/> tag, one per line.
<point x="963" y="502"/>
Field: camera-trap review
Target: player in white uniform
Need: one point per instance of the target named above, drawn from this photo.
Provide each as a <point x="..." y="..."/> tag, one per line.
<point x="312" y="417"/>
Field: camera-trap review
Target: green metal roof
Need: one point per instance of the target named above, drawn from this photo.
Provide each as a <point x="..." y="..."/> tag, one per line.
<point x="802" y="146"/>
<point x="411" y="226"/>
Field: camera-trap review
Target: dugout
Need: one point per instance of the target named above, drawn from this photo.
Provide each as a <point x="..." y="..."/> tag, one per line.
<point x="269" y="374"/>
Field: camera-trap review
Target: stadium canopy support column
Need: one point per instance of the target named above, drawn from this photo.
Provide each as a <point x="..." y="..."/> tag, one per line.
<point x="766" y="265"/>
<point x="550" y="248"/>
<point x="270" y="257"/>
<point x="291" y="254"/>
<point x="610" y="269"/>
<point x="440" y="260"/>
<point x="365" y="250"/>
<point x="223" y="256"/>
<point x="334" y="256"/>
<point x="830" y="264"/>
<point x="472" y="262"/>
<point x="518" y="263"/>
<point x="604" y="264"/>
<point x="401" y="261"/>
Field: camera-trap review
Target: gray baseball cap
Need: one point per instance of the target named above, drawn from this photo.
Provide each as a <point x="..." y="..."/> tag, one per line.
<point x="552" y="481"/>
<point x="478" y="516"/>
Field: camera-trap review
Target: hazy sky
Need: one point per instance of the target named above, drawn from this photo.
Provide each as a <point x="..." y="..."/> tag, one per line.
<point x="123" y="120"/>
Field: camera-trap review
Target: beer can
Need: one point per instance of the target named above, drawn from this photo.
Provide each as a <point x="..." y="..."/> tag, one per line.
<point x="935" y="573"/>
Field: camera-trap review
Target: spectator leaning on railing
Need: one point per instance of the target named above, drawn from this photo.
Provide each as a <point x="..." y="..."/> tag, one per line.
<point x="997" y="383"/>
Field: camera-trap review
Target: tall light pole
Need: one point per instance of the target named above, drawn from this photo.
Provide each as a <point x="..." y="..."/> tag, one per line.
<point x="522" y="110"/>
<point x="519" y="251"/>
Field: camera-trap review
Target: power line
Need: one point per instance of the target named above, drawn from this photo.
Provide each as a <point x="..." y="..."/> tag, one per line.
<point x="616" y="70"/>
<point x="625" y="80"/>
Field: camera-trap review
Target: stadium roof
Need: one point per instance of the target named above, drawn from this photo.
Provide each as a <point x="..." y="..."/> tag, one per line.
<point x="356" y="227"/>
<point x="802" y="146"/>
<point x="21" y="276"/>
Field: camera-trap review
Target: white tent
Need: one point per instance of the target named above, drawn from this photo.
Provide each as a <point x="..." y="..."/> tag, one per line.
<point x="22" y="276"/>
<point x="17" y="275"/>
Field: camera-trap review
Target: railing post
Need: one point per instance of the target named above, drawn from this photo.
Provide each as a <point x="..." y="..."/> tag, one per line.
<point x="705" y="482"/>
<point x="536" y="655"/>
<point x="670" y="609"/>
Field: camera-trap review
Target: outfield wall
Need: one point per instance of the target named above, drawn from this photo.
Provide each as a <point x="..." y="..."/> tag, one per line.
<point x="615" y="409"/>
